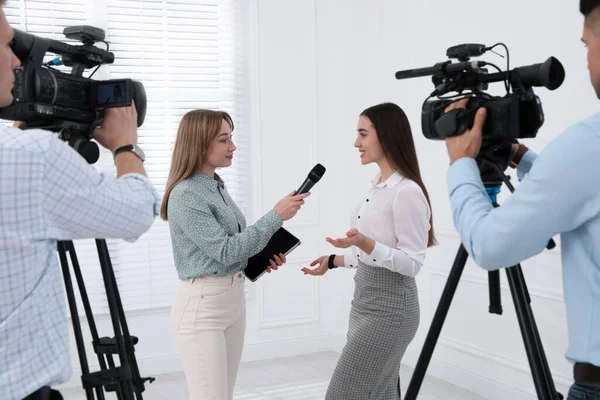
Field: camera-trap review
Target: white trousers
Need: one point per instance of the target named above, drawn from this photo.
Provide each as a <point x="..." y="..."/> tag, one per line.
<point x="209" y="320"/>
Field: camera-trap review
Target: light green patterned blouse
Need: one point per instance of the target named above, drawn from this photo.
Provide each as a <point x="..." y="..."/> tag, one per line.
<point x="208" y="230"/>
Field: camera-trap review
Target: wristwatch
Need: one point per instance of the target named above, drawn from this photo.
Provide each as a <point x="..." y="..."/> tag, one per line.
<point x="134" y="148"/>
<point x="330" y="262"/>
<point x="521" y="150"/>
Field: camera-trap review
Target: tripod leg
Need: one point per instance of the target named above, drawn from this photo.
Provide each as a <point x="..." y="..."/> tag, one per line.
<point x="494" y="288"/>
<point x="540" y="370"/>
<point x="106" y="266"/>
<point x="522" y="279"/>
<point x="536" y="333"/>
<point x="63" y="247"/>
<point x="85" y="300"/>
<point x="137" y="381"/>
<point x="437" y="323"/>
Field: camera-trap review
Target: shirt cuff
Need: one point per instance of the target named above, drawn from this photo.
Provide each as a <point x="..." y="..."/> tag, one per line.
<point x="379" y="254"/>
<point x="271" y="220"/>
<point x="525" y="164"/>
<point x="463" y="171"/>
<point x="350" y="261"/>
<point x="149" y="185"/>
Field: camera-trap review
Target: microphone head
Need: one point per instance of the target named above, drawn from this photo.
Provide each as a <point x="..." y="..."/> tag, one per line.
<point x="316" y="173"/>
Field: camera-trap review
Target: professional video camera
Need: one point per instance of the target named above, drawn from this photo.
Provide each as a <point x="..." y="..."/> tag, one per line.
<point x="517" y="115"/>
<point x="69" y="104"/>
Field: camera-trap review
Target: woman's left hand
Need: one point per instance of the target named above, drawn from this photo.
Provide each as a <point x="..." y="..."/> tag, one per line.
<point x="276" y="262"/>
<point x="353" y="238"/>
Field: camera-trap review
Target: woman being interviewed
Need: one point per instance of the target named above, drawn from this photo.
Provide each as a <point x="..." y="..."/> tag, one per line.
<point x="391" y="230"/>
<point x="211" y="247"/>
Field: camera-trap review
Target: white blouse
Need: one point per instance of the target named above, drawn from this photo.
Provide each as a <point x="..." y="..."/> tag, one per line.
<point x="395" y="214"/>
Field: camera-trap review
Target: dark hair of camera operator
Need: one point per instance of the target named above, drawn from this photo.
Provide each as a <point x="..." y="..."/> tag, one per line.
<point x="211" y="247"/>
<point x="48" y="192"/>
<point x="391" y="229"/>
<point x="558" y="194"/>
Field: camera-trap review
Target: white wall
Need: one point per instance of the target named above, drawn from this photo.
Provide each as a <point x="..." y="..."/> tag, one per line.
<point x="356" y="46"/>
<point x="360" y="46"/>
<point x="315" y="66"/>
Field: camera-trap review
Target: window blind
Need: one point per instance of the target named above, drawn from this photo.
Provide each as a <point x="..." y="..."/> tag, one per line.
<point x="188" y="54"/>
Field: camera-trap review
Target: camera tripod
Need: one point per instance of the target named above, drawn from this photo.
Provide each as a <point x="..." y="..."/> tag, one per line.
<point x="540" y="370"/>
<point x="124" y="379"/>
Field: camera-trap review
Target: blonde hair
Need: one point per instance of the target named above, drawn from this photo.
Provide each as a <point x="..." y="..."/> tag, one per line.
<point x="197" y="129"/>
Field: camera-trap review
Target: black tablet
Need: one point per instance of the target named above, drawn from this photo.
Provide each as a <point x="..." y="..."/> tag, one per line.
<point x="281" y="242"/>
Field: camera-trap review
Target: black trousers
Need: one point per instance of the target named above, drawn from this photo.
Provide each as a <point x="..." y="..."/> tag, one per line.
<point x="44" y="393"/>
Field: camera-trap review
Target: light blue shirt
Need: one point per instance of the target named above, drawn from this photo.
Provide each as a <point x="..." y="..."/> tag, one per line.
<point x="48" y="193"/>
<point x="560" y="194"/>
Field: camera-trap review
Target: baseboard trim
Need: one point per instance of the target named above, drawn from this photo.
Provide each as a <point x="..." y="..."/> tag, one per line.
<point x="484" y="386"/>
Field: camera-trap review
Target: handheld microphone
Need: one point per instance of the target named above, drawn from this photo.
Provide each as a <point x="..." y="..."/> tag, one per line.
<point x="313" y="177"/>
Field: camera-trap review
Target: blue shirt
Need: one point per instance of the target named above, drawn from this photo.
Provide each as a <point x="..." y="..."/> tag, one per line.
<point x="560" y="194"/>
<point x="48" y="193"/>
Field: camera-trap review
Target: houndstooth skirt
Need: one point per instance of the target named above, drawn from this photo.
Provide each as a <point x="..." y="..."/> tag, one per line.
<point x="383" y="320"/>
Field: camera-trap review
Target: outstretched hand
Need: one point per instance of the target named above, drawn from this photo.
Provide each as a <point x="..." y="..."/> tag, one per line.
<point x="322" y="266"/>
<point x="353" y="238"/>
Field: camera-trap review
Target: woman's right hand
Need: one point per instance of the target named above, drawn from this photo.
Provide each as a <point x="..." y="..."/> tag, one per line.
<point x="289" y="205"/>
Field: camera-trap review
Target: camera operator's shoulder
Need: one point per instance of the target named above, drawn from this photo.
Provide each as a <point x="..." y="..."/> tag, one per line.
<point x="577" y="140"/>
<point x="590" y="125"/>
<point x="30" y="140"/>
<point x="573" y="151"/>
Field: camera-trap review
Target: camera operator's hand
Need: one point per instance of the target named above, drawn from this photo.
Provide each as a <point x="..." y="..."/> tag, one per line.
<point x="469" y="143"/>
<point x="289" y="205"/>
<point x="119" y="127"/>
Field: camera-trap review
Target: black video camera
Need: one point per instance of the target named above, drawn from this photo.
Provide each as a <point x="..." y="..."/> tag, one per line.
<point x="515" y="116"/>
<point x="70" y="104"/>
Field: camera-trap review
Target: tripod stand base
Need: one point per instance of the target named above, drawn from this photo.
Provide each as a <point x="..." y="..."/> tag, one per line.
<point x="125" y="379"/>
<point x="538" y="363"/>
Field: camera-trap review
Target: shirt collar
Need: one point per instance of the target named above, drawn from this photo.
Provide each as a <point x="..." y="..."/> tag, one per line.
<point x="390" y="182"/>
<point x="210" y="183"/>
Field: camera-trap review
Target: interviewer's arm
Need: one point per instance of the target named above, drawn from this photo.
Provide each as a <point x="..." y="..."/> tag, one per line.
<point x="196" y="220"/>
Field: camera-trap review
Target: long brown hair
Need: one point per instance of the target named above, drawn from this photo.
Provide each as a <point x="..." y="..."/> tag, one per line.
<point x="394" y="134"/>
<point x="196" y="130"/>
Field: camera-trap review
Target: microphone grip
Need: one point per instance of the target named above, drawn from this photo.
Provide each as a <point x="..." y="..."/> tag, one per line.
<point x="305" y="187"/>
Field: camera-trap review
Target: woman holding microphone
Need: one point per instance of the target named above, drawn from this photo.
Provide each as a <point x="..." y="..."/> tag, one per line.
<point x="211" y="247"/>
